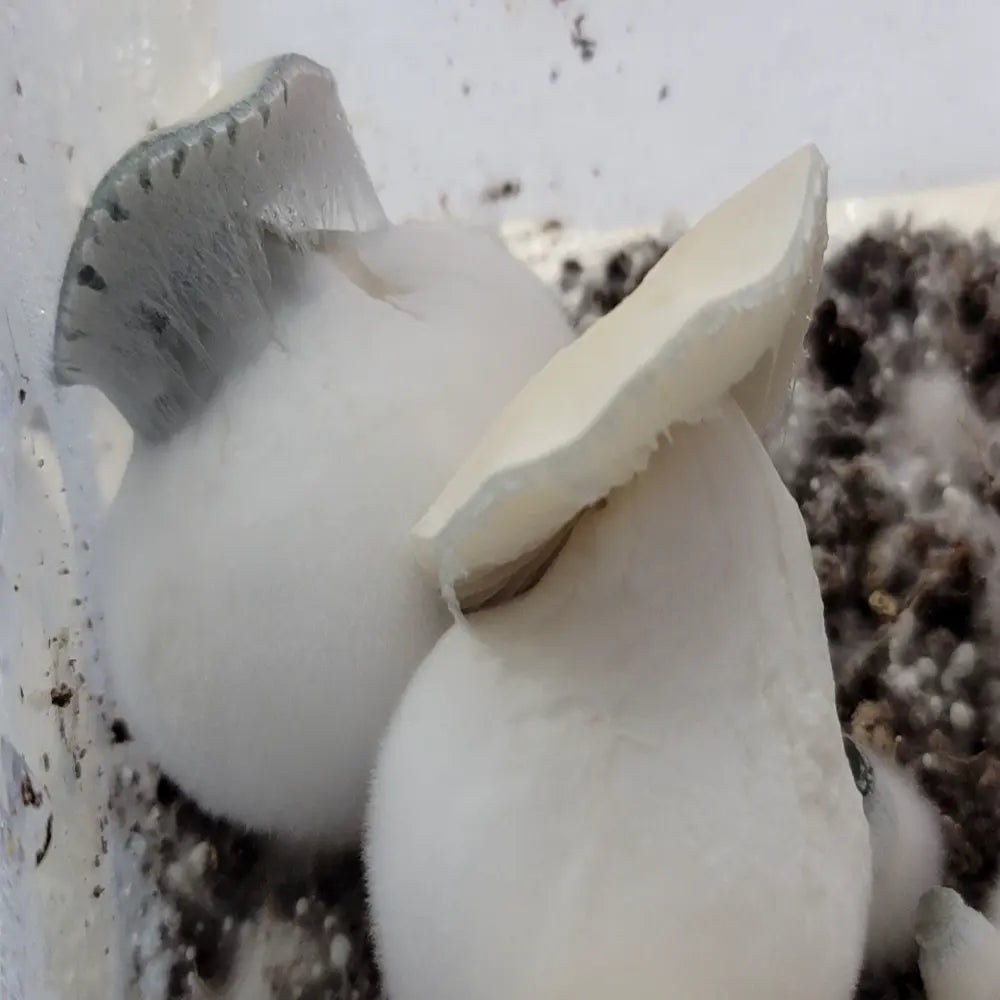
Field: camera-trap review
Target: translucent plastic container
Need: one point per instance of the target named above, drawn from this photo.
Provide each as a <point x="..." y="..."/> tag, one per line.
<point x="599" y="116"/>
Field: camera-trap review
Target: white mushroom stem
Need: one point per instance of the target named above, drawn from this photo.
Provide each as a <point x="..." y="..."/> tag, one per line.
<point x="959" y="949"/>
<point x="632" y="779"/>
<point x="907" y="858"/>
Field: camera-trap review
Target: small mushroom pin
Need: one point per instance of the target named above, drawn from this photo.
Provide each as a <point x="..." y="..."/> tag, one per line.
<point x="301" y="376"/>
<point x="626" y="777"/>
<point x="959" y="948"/>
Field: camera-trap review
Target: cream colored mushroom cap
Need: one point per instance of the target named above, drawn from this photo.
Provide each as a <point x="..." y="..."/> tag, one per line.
<point x="724" y="310"/>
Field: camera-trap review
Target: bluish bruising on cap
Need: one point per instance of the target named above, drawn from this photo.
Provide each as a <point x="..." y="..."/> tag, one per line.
<point x="167" y="286"/>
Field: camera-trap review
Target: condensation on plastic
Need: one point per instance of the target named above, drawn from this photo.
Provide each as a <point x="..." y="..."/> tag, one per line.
<point x="80" y="81"/>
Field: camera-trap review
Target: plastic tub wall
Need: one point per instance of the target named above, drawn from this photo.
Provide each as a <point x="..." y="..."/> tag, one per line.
<point x="613" y="112"/>
<point x="600" y="114"/>
<point x="78" y="82"/>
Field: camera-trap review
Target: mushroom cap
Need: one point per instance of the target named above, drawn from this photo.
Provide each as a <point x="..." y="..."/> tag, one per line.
<point x="724" y="310"/>
<point x="165" y="288"/>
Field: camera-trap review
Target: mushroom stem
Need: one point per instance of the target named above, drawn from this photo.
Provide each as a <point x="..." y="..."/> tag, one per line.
<point x="907" y="853"/>
<point x="633" y="773"/>
<point x="959" y="948"/>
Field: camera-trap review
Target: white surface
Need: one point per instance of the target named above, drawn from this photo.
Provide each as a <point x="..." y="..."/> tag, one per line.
<point x="895" y="98"/>
<point x="571" y="829"/>
<point x="80" y="80"/>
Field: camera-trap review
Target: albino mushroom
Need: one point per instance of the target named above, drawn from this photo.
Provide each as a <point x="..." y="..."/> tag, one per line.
<point x="299" y="392"/>
<point x="630" y="780"/>
<point x="959" y="949"/>
<point x="907" y="853"/>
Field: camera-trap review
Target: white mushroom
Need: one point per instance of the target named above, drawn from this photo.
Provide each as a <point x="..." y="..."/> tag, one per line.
<point x="299" y="392"/>
<point x="959" y="949"/>
<point x="630" y="781"/>
<point x="907" y="853"/>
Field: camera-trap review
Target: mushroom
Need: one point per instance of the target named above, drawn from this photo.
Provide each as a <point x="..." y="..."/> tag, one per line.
<point x="301" y="376"/>
<point x="907" y="848"/>
<point x="959" y="948"/>
<point x="630" y="779"/>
